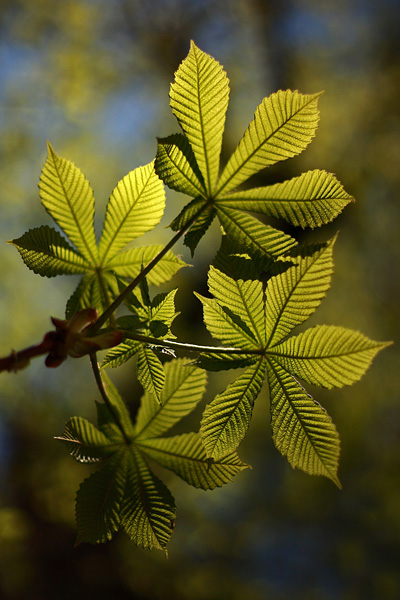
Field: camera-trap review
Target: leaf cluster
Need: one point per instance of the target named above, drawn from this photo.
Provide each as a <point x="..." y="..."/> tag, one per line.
<point x="262" y="285"/>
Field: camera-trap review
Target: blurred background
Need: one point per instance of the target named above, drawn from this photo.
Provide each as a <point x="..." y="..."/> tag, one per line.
<point x="93" y="76"/>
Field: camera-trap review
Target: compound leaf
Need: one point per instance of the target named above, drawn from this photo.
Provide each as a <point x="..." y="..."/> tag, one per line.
<point x="185" y="455"/>
<point x="327" y="356"/>
<point x="283" y="126"/>
<point x="135" y="207"/>
<point x="301" y="429"/>
<point x="68" y="198"/>
<point x="199" y="99"/>
<point x="310" y="200"/>
<point x="226" y="419"/>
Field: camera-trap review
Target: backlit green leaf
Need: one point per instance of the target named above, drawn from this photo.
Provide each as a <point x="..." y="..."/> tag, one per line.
<point x="98" y="501"/>
<point x="226" y="419"/>
<point x="150" y="372"/>
<point x="47" y="253"/>
<point x="118" y="355"/>
<point x="176" y="166"/>
<point x="283" y="126"/>
<point x="130" y="263"/>
<point x="242" y="297"/>
<point x="183" y="389"/>
<point x="327" y="356"/>
<point x="148" y="508"/>
<point x="294" y="295"/>
<point x="68" y="197"/>
<point x="252" y="235"/>
<point x="310" y="200"/>
<point x="199" y="99"/>
<point x="135" y="207"/>
<point x="301" y="429"/>
<point x="185" y="455"/>
<point x="84" y="441"/>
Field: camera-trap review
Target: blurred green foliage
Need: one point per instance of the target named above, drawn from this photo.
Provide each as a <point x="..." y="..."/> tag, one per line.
<point x="93" y="77"/>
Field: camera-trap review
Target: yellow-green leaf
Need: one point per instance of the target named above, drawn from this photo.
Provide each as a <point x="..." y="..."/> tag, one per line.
<point x="68" y="197"/>
<point x="199" y="99"/>
<point x="301" y="429"/>
<point x="283" y="126"/>
<point x="135" y="207"/>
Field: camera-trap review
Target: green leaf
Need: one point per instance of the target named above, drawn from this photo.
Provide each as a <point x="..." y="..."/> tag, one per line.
<point x="183" y="389"/>
<point x="199" y="99"/>
<point x="301" y="429"/>
<point x="47" y="253"/>
<point x="130" y="263"/>
<point x="294" y="295"/>
<point x="176" y="166"/>
<point x="199" y="228"/>
<point x="84" y="441"/>
<point x="226" y="419"/>
<point x="242" y="297"/>
<point x="118" y="404"/>
<point x="118" y="355"/>
<point x="185" y="455"/>
<point x="189" y="212"/>
<point x="148" y="508"/>
<point x="68" y="198"/>
<point x="98" y="501"/>
<point x="252" y="235"/>
<point x="135" y="207"/>
<point x="310" y="200"/>
<point x="150" y="372"/>
<point x="223" y="361"/>
<point x="283" y="126"/>
<point x="327" y="356"/>
<point x="226" y="326"/>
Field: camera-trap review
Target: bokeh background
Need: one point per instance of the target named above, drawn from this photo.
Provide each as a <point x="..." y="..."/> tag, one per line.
<point x="92" y="76"/>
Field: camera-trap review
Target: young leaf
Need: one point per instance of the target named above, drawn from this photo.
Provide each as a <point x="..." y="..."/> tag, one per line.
<point x="327" y="356"/>
<point x="283" y="126"/>
<point x="68" y="198"/>
<point x="135" y="207"/>
<point x="199" y="99"/>
<point x="226" y="419"/>
<point x="310" y="200"/>
<point x="185" y="455"/>
<point x="301" y="429"/>
<point x="120" y="354"/>
<point x="150" y="372"/>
